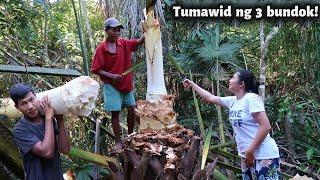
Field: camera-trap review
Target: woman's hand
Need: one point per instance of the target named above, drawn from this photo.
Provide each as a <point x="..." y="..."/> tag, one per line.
<point x="250" y="160"/>
<point x="187" y="83"/>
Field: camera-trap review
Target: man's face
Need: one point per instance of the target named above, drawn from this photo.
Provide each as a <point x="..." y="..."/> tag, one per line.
<point x="113" y="33"/>
<point x="28" y="106"/>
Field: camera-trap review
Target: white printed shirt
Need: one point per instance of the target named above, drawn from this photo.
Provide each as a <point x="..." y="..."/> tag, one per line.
<point x="245" y="127"/>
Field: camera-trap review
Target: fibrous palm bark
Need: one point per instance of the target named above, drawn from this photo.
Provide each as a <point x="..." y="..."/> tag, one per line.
<point x="156" y="112"/>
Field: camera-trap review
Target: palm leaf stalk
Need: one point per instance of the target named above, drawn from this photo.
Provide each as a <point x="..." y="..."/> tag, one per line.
<point x="206" y="147"/>
<point x="222" y="145"/>
<point x="217" y="174"/>
<point x="92" y="157"/>
<point x="175" y="64"/>
<point x="196" y="104"/>
<point x="220" y="122"/>
<point x="132" y="68"/>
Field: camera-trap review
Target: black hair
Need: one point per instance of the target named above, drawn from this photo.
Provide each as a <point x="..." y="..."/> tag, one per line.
<point x="107" y="28"/>
<point x="19" y="91"/>
<point x="250" y="82"/>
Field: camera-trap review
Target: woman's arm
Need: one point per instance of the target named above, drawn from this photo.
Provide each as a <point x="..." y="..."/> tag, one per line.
<point x="207" y="96"/>
<point x="264" y="129"/>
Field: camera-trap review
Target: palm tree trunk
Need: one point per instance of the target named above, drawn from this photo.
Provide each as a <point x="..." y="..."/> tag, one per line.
<point x="156" y="112"/>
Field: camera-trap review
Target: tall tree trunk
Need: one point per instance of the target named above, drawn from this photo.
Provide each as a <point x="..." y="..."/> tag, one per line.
<point x="264" y="43"/>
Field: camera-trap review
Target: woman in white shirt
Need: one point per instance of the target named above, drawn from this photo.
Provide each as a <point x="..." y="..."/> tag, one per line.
<point x="258" y="151"/>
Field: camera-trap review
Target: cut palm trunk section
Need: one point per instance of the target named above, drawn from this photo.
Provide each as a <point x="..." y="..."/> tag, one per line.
<point x="75" y="97"/>
<point x="8" y="109"/>
<point x="156" y="112"/>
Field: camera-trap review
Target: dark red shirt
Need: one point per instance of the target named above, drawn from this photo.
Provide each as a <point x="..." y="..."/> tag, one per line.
<point x="115" y="63"/>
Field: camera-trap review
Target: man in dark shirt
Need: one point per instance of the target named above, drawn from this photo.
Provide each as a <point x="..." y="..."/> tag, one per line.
<point x="111" y="59"/>
<point x="39" y="136"/>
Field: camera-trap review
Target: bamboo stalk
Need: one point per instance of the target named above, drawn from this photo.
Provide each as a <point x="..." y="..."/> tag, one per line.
<point x="83" y="48"/>
<point x="102" y="127"/>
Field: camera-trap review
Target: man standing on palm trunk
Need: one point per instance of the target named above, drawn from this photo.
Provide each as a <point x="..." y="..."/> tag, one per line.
<point x="111" y="59"/>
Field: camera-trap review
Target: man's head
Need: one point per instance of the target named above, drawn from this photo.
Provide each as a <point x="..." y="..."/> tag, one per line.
<point x="112" y="27"/>
<point x="25" y="100"/>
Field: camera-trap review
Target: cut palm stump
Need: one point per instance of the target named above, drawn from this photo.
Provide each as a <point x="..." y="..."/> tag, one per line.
<point x="162" y="149"/>
<point x="164" y="154"/>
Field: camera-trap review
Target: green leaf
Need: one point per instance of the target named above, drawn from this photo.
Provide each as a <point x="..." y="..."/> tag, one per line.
<point x="83" y="175"/>
<point x="170" y="2"/>
<point x="206" y="147"/>
<point x="309" y="153"/>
